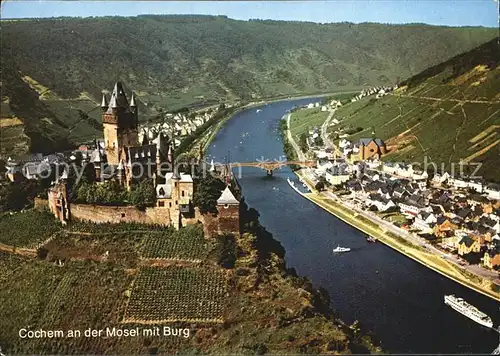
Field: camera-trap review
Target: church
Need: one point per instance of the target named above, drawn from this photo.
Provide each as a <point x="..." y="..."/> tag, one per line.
<point x="121" y="156"/>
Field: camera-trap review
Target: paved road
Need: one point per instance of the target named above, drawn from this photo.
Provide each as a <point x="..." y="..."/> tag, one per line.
<point x="460" y="101"/>
<point x="300" y="155"/>
<point x="413" y="238"/>
<point x="326" y="140"/>
<point x="417" y="240"/>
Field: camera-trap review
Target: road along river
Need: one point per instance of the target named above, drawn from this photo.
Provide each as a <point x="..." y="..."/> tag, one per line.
<point x="390" y="294"/>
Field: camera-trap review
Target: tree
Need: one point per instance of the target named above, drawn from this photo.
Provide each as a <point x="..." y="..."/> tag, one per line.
<point x="303" y="142"/>
<point x="320" y="186"/>
<point x="207" y="192"/>
<point x="143" y="194"/>
<point x="16" y="196"/>
<point x="227" y="251"/>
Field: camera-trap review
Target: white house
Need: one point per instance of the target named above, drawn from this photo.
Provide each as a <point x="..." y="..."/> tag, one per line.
<point x="458" y="183"/>
<point x="423" y="222"/>
<point x="477" y="186"/>
<point x="323" y="108"/>
<point x="493" y="192"/>
<point x="373" y="163"/>
<point x="322" y="167"/>
<point x="343" y="143"/>
<point x="380" y="202"/>
<point x="336" y="175"/>
<point x="419" y="175"/>
<point x="409" y="210"/>
<point x="310" y="106"/>
<point x="390" y="167"/>
<point x="422" y="183"/>
<point x="440" y="178"/>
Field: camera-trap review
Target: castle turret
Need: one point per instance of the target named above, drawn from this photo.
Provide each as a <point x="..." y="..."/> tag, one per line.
<point x="170" y="155"/>
<point x="132" y="102"/>
<point x="134" y="108"/>
<point x="113" y="104"/>
<point x="120" y="124"/>
<point x="145" y="137"/>
<point x="104" y="102"/>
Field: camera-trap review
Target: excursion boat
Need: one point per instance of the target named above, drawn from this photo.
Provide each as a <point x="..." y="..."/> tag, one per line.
<point x="339" y="249"/>
<point x="292" y="184"/>
<point x="468" y="310"/>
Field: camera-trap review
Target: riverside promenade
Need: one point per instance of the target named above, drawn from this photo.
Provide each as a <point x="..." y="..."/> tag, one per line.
<point x="399" y="243"/>
<point x="392" y="236"/>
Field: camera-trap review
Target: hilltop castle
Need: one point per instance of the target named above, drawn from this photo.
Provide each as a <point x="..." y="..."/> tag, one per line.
<point x="122" y="153"/>
<point x="120" y="156"/>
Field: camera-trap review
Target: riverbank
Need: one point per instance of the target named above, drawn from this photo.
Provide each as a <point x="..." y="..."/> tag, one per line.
<point x="386" y="291"/>
<point x="415" y="252"/>
<point x="410" y="250"/>
<point x="206" y="139"/>
<point x="391" y="239"/>
<point x="233" y="293"/>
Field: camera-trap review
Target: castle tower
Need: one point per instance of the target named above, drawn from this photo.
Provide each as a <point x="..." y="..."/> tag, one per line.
<point x="120" y="121"/>
<point x="133" y="108"/>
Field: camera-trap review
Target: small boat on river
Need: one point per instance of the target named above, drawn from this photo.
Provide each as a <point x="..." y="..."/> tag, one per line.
<point x="339" y="249"/>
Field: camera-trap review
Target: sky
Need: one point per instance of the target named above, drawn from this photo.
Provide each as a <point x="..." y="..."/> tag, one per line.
<point x="434" y="12"/>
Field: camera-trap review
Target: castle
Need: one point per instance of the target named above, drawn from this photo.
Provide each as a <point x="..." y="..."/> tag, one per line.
<point x="120" y="156"/>
<point x="123" y="157"/>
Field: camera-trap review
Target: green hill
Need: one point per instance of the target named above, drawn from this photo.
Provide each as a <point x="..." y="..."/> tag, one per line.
<point x="53" y="70"/>
<point x="447" y="113"/>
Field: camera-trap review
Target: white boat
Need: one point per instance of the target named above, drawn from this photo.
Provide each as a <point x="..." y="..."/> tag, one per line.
<point x="258" y="110"/>
<point x="341" y="249"/>
<point x="468" y="310"/>
<point x="292" y="184"/>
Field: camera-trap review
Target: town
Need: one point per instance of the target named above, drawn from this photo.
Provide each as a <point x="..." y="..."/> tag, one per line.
<point x="456" y="217"/>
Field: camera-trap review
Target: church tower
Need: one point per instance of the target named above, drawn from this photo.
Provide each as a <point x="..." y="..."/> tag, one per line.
<point x="120" y="121"/>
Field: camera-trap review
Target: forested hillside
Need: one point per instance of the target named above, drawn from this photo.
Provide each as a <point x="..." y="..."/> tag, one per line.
<point x="54" y="70"/>
<point x="216" y="57"/>
<point x="447" y="113"/>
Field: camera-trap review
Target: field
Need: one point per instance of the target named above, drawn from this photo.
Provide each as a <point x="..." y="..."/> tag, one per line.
<point x="150" y="242"/>
<point x="187" y="244"/>
<point x="306" y="119"/>
<point x="13" y="141"/>
<point x="242" y="311"/>
<point x="170" y="294"/>
<point x="101" y="269"/>
<point x="79" y="295"/>
<point x="442" y="118"/>
<point x="108" y="228"/>
<point x="27" y="229"/>
<point x="121" y="249"/>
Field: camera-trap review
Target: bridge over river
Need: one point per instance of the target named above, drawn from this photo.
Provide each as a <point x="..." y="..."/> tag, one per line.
<point x="398" y="299"/>
<point x="268" y="165"/>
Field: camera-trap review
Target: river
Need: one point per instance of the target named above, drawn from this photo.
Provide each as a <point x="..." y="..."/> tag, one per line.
<point x="390" y="294"/>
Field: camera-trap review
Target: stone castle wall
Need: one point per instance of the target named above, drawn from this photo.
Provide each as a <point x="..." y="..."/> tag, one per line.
<point x="227" y="219"/>
<point x="117" y="214"/>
